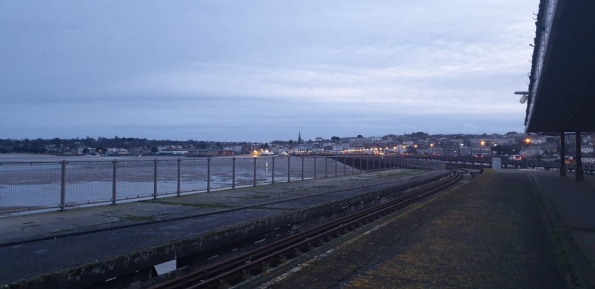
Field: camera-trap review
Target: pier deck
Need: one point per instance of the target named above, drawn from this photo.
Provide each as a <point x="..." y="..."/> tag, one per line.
<point x="62" y="246"/>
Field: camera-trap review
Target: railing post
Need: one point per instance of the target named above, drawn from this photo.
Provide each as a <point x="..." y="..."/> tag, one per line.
<point x="255" y="171"/>
<point x="352" y="165"/>
<point x="361" y="167"/>
<point x="562" y="154"/>
<point x="325" y="167"/>
<point x="273" y="170"/>
<point x="578" y="167"/>
<point x="344" y="165"/>
<point x="155" y="181"/>
<point x="336" y="165"/>
<point x="179" y="176"/>
<point x="114" y="164"/>
<point x="233" y="173"/>
<point x="288" y="169"/>
<point x="315" y="167"/>
<point x="302" y="168"/>
<point x="63" y="187"/>
<point x="208" y="174"/>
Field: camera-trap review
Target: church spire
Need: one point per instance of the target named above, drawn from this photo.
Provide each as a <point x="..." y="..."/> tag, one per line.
<point x="300" y="137"/>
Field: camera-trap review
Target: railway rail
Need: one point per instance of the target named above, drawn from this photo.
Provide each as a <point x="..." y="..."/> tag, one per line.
<point x="246" y="265"/>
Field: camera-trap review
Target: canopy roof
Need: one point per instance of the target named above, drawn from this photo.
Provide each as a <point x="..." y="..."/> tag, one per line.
<point x="562" y="79"/>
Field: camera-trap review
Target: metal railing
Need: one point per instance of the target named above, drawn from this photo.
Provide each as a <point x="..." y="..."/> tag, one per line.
<point x="26" y="186"/>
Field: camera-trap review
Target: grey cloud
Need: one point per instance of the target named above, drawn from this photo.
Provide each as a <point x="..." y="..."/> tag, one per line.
<point x="259" y="70"/>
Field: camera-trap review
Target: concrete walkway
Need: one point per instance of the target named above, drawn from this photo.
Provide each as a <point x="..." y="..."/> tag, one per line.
<point x="571" y="210"/>
<point x="27" y="226"/>
<point x="506" y="229"/>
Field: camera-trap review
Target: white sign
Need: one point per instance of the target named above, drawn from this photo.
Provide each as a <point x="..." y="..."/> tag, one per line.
<point x="496" y="163"/>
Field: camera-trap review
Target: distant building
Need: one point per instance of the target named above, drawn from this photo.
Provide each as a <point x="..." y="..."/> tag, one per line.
<point x="452" y="148"/>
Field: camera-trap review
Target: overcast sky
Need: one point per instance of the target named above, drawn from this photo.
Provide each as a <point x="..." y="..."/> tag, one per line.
<point x="262" y="70"/>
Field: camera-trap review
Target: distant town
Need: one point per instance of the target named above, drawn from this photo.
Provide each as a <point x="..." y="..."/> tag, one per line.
<point x="416" y="143"/>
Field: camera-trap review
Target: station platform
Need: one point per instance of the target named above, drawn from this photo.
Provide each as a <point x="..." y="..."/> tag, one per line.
<point x="505" y="229"/>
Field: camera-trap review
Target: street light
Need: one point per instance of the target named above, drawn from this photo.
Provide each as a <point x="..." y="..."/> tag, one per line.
<point x="524" y="95"/>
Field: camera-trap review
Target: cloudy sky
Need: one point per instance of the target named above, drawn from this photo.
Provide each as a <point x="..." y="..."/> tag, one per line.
<point x="262" y="70"/>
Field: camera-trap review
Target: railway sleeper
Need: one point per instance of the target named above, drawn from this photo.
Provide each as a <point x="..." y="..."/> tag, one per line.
<point x="264" y="266"/>
<point x="223" y="284"/>
<point x="246" y="275"/>
<point x="319" y="242"/>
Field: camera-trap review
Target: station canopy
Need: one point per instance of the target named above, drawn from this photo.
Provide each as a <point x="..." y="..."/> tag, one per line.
<point x="562" y="78"/>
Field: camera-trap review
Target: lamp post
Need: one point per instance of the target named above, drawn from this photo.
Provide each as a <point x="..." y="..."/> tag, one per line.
<point x="524" y="95"/>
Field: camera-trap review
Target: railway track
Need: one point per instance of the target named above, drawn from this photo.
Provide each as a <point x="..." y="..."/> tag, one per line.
<point x="254" y="262"/>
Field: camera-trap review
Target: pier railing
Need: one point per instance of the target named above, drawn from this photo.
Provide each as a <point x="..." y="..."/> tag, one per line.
<point x="26" y="186"/>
